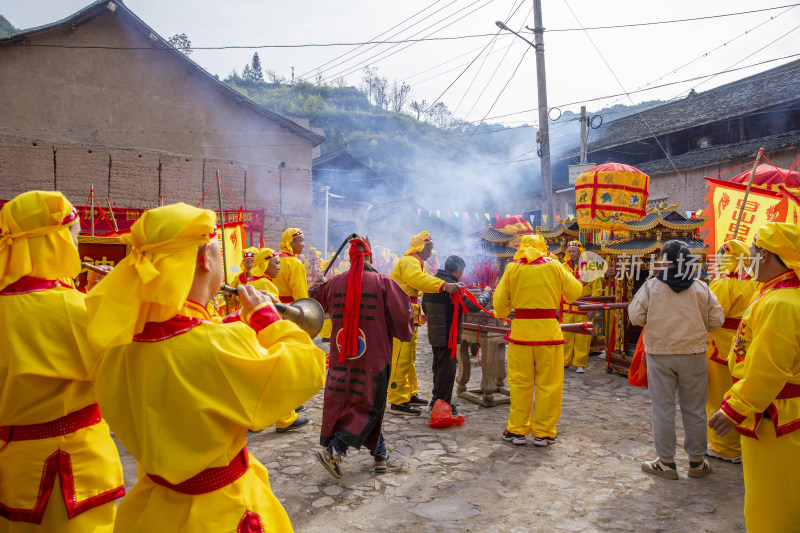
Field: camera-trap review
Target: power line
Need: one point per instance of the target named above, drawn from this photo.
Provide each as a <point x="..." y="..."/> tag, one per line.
<point x="475" y="77"/>
<point x="723" y="45"/>
<point x="616" y="26"/>
<point x="396" y="34"/>
<point x="351" y="70"/>
<point x="650" y="88"/>
<point x="374" y="38"/>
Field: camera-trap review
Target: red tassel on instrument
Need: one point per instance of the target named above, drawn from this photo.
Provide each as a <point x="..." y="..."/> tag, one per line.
<point x="352" y="303"/>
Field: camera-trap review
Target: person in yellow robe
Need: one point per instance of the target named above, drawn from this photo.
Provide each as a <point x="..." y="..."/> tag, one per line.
<point x="576" y="349"/>
<point x="266" y="267"/>
<point x="764" y="402"/>
<point x="533" y="285"/>
<point x="248" y="259"/>
<point x="411" y="276"/>
<point x="291" y="281"/>
<point x="734" y="291"/>
<point x="180" y="392"/>
<point x="59" y="468"/>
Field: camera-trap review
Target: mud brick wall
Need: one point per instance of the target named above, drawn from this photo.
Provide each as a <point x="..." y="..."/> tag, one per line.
<point x="135" y="178"/>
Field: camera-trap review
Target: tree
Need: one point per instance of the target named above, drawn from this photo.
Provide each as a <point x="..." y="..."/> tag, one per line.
<point x="247" y="73"/>
<point x="181" y="42"/>
<point x="400" y="95"/>
<point x="255" y="67"/>
<point x="418" y="107"/>
<point x="339" y="82"/>
<point x="379" y="95"/>
<point x="439" y="115"/>
<point x="273" y="77"/>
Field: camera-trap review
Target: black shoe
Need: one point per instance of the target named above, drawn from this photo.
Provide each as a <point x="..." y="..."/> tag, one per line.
<point x="453" y="408"/>
<point x="403" y="409"/>
<point x="297" y="424"/>
<point x="513" y="438"/>
<point x="416" y="400"/>
<point x="300" y="409"/>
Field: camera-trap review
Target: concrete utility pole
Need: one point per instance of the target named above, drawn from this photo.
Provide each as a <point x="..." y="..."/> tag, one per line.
<point x="544" y="130"/>
<point x="543" y="135"/>
<point x="583" y="135"/>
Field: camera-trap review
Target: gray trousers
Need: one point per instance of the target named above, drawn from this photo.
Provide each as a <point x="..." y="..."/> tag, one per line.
<point x="688" y="373"/>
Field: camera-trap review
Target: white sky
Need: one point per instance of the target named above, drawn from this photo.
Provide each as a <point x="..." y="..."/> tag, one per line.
<point x="575" y="70"/>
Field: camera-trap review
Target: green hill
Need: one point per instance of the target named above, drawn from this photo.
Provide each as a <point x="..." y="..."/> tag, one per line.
<point x="5" y="26"/>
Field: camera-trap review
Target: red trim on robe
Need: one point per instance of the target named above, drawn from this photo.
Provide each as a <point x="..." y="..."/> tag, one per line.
<point x="734" y="415"/>
<point x="60" y="464"/>
<point x="69" y="423"/>
<point x="263" y="316"/>
<point x="28" y="284"/>
<point x="210" y="479"/>
<point x="250" y="523"/>
<point x="160" y="331"/>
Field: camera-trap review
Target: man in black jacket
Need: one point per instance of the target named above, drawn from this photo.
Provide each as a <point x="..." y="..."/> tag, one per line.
<point x="439" y="308"/>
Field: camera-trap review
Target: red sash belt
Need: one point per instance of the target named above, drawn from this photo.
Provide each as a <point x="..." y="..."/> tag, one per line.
<point x="731" y="323"/>
<point x="82" y="418"/>
<point x="790" y="390"/>
<point x="209" y="479"/>
<point x="414" y="300"/>
<point x="528" y="314"/>
<point x="286" y="299"/>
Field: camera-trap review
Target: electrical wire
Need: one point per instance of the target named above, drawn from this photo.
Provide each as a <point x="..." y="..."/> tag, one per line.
<point x="353" y="69"/>
<point x="694" y="78"/>
<point x="639" y="24"/>
<point x="373" y="39"/>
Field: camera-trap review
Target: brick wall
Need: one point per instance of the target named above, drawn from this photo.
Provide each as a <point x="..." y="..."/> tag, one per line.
<point x="133" y="178"/>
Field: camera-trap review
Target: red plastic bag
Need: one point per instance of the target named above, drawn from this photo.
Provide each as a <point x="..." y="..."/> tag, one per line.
<point x="442" y="416"/>
<point x="637" y="374"/>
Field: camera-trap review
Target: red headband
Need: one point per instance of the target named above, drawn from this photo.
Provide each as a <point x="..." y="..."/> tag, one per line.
<point x="429" y="239"/>
<point x="297" y="233"/>
<point x="577" y="244"/>
<point x="71" y="217"/>
<point x="249" y="254"/>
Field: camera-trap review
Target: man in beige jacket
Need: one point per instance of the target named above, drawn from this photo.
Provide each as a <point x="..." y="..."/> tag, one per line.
<point x="679" y="311"/>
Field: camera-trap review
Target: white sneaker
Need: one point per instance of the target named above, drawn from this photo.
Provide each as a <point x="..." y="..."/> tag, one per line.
<point x="580" y="370"/>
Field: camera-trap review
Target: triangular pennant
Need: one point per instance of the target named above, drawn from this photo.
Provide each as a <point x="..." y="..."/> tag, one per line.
<point x="507" y="215"/>
<point x="466" y="215"/>
<point x="533" y="217"/>
<point x="497" y="217"/>
<point x="688" y="214"/>
<point x="448" y="213"/>
<point x="455" y="213"/>
<point x="544" y="219"/>
<point x="419" y="211"/>
<point x="438" y="213"/>
<point x="488" y="217"/>
<point x="558" y="218"/>
<point x="477" y="217"/>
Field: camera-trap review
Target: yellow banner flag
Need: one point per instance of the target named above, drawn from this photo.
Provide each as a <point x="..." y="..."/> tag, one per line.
<point x="724" y="202"/>
<point x="234" y="246"/>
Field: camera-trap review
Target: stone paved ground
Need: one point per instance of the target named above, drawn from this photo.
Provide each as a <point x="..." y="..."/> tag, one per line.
<point x="467" y="479"/>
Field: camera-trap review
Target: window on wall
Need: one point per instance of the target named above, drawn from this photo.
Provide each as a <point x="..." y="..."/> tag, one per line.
<point x="569" y="209"/>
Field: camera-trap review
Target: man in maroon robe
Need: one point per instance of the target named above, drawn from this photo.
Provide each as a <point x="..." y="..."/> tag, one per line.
<point x="367" y="310"/>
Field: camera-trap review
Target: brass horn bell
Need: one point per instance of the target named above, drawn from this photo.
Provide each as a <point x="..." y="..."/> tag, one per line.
<point x="307" y="313"/>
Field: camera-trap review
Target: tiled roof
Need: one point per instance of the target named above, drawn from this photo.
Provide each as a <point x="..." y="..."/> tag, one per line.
<point x="759" y="91"/>
<point x="492" y="235"/>
<point x="648" y="246"/>
<point x="723" y="152"/>
<point x="501" y="251"/>
<point x="668" y="219"/>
